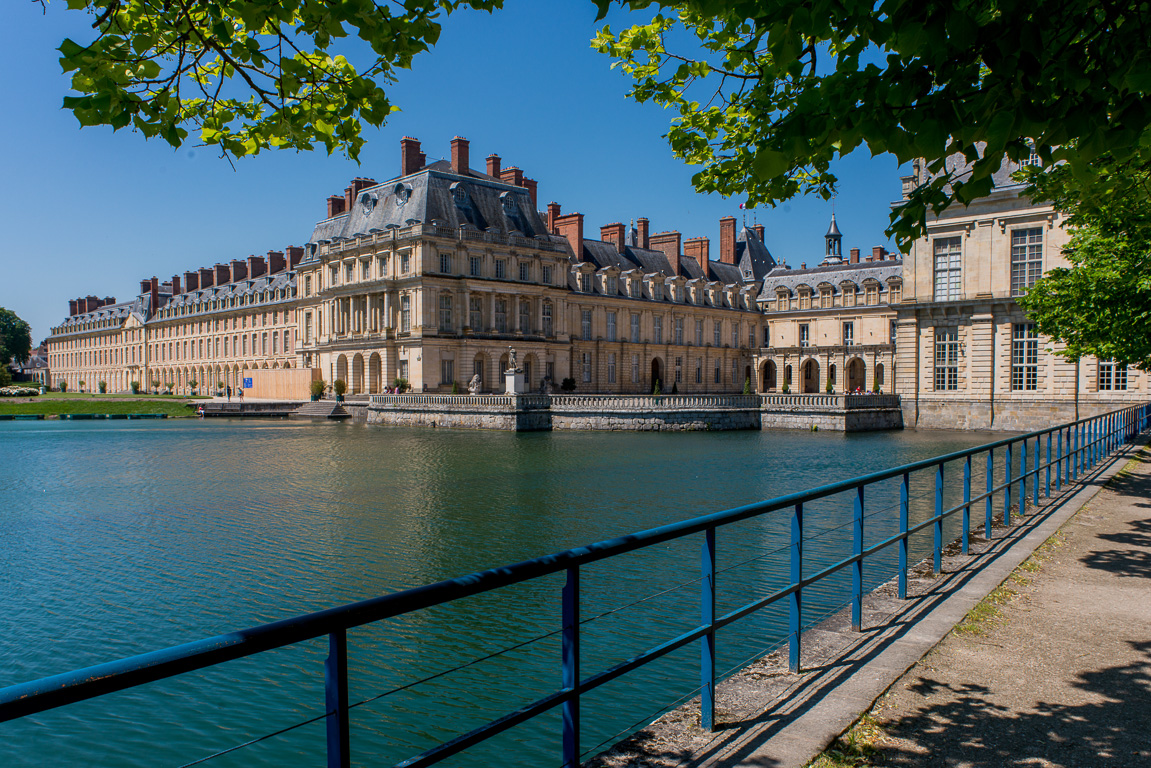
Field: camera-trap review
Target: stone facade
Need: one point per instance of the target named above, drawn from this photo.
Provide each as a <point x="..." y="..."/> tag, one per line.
<point x="967" y="355"/>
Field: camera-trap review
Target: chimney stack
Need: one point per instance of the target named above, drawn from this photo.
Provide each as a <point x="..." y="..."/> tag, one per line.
<point x="854" y="256"/>
<point x="553" y="214"/>
<point x="727" y="240"/>
<point x="335" y="205"/>
<point x="460" y="155"/>
<point x="223" y="274"/>
<point x="176" y="285"/>
<point x="359" y="184"/>
<point x="411" y="158"/>
<point x="206" y="275"/>
<point x="758" y="232"/>
<point x="699" y="248"/>
<point x="145" y="286"/>
<point x="669" y="243"/>
<point x="276" y="262"/>
<point x="295" y="255"/>
<point x="613" y="233"/>
<point x="571" y="227"/>
<point x="531" y="187"/>
<point x="494" y="165"/>
<point x="348" y="198"/>
<point x="191" y="281"/>
<point x="239" y="269"/>
<point x="73" y="307"/>
<point x="154" y="289"/>
<point x="109" y="301"/>
<point x="641" y="226"/>
<point x="877" y="253"/>
<point x="257" y="266"/>
<point x="512" y="175"/>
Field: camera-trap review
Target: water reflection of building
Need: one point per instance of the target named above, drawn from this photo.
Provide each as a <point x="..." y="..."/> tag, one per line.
<point x="968" y="356"/>
<point x="830" y="327"/>
<point x="431" y="276"/>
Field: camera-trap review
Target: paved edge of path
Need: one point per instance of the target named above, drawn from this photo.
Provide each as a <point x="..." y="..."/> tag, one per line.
<point x="845" y="672"/>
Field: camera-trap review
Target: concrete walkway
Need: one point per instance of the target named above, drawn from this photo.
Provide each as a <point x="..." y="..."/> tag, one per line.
<point x="770" y="718"/>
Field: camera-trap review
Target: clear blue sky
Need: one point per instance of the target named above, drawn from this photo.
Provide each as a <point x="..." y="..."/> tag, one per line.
<point x="94" y="212"/>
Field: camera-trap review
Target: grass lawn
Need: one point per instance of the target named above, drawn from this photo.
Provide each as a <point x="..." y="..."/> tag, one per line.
<point x="89" y="396"/>
<point x="54" y="404"/>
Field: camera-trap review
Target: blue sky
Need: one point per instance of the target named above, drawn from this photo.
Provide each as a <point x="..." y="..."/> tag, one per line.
<point x="94" y="212"/>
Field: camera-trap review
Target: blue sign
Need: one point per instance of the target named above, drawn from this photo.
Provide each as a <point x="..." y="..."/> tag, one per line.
<point x="247" y="383"/>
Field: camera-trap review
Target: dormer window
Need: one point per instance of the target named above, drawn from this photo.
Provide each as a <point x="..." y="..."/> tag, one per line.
<point x="402" y="192"/>
<point x="367" y="202"/>
<point x="584" y="282"/>
<point x="805" y="298"/>
<point x="657" y="291"/>
<point x="825" y="298"/>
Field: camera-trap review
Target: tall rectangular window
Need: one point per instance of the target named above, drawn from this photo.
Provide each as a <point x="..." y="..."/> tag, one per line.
<point x="657" y="329"/>
<point x="635" y="328"/>
<point x="547" y="312"/>
<point x="547" y="279"/>
<point x="501" y="269"/>
<point x="585" y="325"/>
<point x="1026" y="259"/>
<point x="718" y="372"/>
<point x="699" y="333"/>
<point x="405" y="313"/>
<point x="447" y="371"/>
<point x="501" y="315"/>
<point x="584" y="282"/>
<point x="804" y="334"/>
<point x="476" y="313"/>
<point x="718" y="332"/>
<point x="699" y="370"/>
<point x="611" y="368"/>
<point x="611" y="331"/>
<point x="1112" y="377"/>
<point x="848" y="334"/>
<point x="679" y="330"/>
<point x="946" y="359"/>
<point x="445" y="312"/>
<point x="587" y="367"/>
<point x="445" y="263"/>
<point x="679" y="370"/>
<point x="948" y="254"/>
<point x="525" y="317"/>
<point x="525" y="271"/>
<point x="891" y="331"/>
<point x="475" y="266"/>
<point x="1024" y="357"/>
<point x="635" y="369"/>
<point x="734" y="334"/>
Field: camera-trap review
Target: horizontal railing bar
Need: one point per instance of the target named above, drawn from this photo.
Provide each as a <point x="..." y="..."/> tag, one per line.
<point x="47" y="693"/>
<point x="641" y="659"/>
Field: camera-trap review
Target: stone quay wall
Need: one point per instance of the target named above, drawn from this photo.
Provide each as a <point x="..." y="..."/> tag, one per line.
<point x="643" y="413"/>
<point x="1010" y="415"/>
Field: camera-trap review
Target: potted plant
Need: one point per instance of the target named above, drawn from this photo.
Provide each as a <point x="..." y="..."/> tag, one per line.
<point x="192" y="385"/>
<point x="168" y="387"/>
<point x="568" y="384"/>
<point x="155" y="386"/>
<point x="747" y="385"/>
<point x="829" y="389"/>
<point x="62" y="386"/>
<point x="317" y="389"/>
<point x="340" y="387"/>
<point x="81" y="382"/>
<point x="102" y="386"/>
<point x="134" y="386"/>
<point x="785" y="389"/>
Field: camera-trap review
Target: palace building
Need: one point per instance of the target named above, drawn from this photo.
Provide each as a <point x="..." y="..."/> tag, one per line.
<point x="431" y="278"/>
<point x="966" y="354"/>
<point x="207" y="327"/>
<point x="830" y="328"/>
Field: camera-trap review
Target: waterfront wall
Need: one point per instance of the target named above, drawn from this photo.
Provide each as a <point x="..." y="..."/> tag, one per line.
<point x="1014" y="415"/>
<point x="657" y="413"/>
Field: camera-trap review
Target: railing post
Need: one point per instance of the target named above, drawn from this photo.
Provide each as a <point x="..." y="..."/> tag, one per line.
<point x="937" y="529"/>
<point x="1023" y="476"/>
<point x="707" y="642"/>
<point x="1058" y="459"/>
<point x="1047" y="477"/>
<point x="966" y="504"/>
<point x="570" y="670"/>
<point x="1007" y="482"/>
<point x="336" y="700"/>
<point x="990" y="512"/>
<point x="1035" y="478"/>
<point x="795" y="604"/>
<point x="904" y="488"/>
<point x="857" y="566"/>
<point x="1076" y="436"/>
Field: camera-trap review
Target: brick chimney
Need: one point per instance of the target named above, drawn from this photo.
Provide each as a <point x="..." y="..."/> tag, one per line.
<point x="154" y="289"/>
<point x="553" y="214"/>
<point x="276" y="262"/>
<point x="239" y="269"/>
<point x="877" y="253"/>
<point x="641" y="226"/>
<point x="73" y="307"/>
<point x="191" y="281"/>
<point x="513" y="176"/>
<point x="335" y="205"/>
<point x="109" y="300"/>
<point x="411" y="158"/>
<point x="613" y="233"/>
<point x="295" y="255"/>
<point x="359" y="184"/>
<point x="727" y="240"/>
<point x="223" y="274"/>
<point x="494" y="165"/>
<point x="571" y="227"/>
<point x="348" y="198"/>
<point x="758" y="232"/>
<point x="531" y="187"/>
<point x="207" y="275"/>
<point x="257" y="266"/>
<point x="699" y="248"/>
<point x="460" y="155"/>
<point x="669" y="243"/>
<point x="145" y="286"/>
<point x="176" y="285"/>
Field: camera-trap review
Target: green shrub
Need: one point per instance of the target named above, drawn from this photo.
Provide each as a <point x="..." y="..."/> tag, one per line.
<point x="134" y="386"/>
<point x="63" y="386"/>
<point x="656" y="390"/>
<point x="317" y="387"/>
<point x="568" y="384"/>
<point x="339" y="386"/>
<point x="747" y="385"/>
<point x="102" y="386"/>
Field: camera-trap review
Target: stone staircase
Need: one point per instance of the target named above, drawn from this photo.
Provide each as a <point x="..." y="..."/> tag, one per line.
<point x="321" y="409"/>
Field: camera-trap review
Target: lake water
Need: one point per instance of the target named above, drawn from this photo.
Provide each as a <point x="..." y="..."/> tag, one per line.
<point x="123" y="537"/>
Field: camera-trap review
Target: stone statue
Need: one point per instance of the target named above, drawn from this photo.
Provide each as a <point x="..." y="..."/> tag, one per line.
<point x="474" y="384"/>
<point x="512" y="364"/>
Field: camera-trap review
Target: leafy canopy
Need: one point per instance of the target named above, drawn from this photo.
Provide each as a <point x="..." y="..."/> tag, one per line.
<point x="1101" y="305"/>
<point x="249" y="75"/>
<point x="15" y="338"/>
<point x="767" y="93"/>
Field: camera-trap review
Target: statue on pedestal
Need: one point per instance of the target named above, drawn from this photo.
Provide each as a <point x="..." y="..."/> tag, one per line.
<point x="474" y="384"/>
<point x="512" y="364"/>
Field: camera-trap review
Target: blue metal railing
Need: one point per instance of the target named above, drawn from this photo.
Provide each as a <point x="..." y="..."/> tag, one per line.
<point x="1077" y="447"/>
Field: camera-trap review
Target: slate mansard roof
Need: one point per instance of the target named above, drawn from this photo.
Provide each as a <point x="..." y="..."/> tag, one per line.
<point x="783" y="278"/>
<point x="253" y="286"/>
